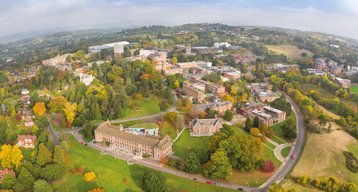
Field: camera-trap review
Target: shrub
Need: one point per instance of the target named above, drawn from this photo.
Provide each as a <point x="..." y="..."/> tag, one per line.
<point x="89" y="176"/>
<point x="351" y="161"/>
<point x="268" y="166"/>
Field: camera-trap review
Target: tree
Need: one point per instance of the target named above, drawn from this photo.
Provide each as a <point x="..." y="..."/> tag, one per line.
<point x="52" y="172"/>
<point x="289" y="129"/>
<point x="268" y="166"/>
<point x="248" y="125"/>
<point x="8" y="181"/>
<point x="228" y="97"/>
<point x="174" y="60"/>
<point x="154" y="181"/>
<point x="44" y="155"/>
<point x="25" y="181"/>
<point x="218" y="166"/>
<point x="10" y="156"/>
<point x="57" y="104"/>
<point x="192" y="162"/>
<point x="138" y="97"/>
<point x="228" y="115"/>
<point x="127" y="52"/>
<point x="70" y="112"/>
<point x="42" y="186"/>
<point x="39" y="109"/>
<point x="89" y="176"/>
<point x="255" y="132"/>
<point x="256" y="122"/>
<point x="59" y="156"/>
<point x="96" y="190"/>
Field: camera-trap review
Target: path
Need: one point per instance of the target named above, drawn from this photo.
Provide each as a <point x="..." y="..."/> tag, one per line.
<point x="53" y="132"/>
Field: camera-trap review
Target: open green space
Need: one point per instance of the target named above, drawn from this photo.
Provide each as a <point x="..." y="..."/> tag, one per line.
<point x="147" y="106"/>
<point x="145" y="125"/>
<point x="186" y="142"/>
<point x="326" y="94"/>
<point x="292" y="52"/>
<point x="115" y="175"/>
<point x="354" y="89"/>
<point x="270" y="145"/>
<point x="285" y="151"/>
<point x="166" y="128"/>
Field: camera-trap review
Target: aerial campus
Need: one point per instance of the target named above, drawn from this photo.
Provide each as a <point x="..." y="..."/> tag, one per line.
<point x="204" y="107"/>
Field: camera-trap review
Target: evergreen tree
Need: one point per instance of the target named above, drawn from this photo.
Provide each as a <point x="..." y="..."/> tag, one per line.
<point x="154" y="181"/>
<point x="44" y="155"/>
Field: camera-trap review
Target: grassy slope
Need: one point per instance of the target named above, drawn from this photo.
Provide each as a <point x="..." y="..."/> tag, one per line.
<point x="115" y="175"/>
<point x="354" y="89"/>
<point x="291" y="51"/>
<point x="147" y="106"/>
<point x="185" y="142"/>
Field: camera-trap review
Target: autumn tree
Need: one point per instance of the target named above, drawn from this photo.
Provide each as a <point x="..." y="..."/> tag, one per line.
<point x="89" y="176"/>
<point x="44" y="155"/>
<point x="218" y="166"/>
<point x="10" y="156"/>
<point x="57" y="104"/>
<point x="59" y="155"/>
<point x="25" y="181"/>
<point x="42" y="186"/>
<point x="8" y="181"/>
<point x="70" y="112"/>
<point x="39" y="109"/>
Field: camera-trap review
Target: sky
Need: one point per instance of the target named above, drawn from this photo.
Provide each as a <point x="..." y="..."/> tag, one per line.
<point x="339" y="17"/>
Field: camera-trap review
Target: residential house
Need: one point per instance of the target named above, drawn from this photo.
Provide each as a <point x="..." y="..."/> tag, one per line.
<point x="26" y="141"/>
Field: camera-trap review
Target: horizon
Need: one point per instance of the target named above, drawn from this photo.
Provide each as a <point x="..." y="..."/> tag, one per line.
<point x="28" y="16"/>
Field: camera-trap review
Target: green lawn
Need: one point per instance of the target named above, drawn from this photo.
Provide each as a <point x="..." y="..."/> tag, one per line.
<point x="185" y="142"/>
<point x="145" y="125"/>
<point x="354" y="89"/>
<point x="292" y="52"/>
<point x="166" y="128"/>
<point x="285" y="151"/>
<point x="270" y="145"/>
<point x="147" y="106"/>
<point x="115" y="175"/>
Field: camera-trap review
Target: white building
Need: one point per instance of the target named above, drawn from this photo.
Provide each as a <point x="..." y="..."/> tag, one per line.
<point x="222" y="44"/>
<point x="117" y="46"/>
<point x="86" y="79"/>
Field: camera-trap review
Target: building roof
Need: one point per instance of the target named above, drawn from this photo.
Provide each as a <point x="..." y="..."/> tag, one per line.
<point x="273" y="109"/>
<point x="117" y="131"/>
<point x="205" y="122"/>
<point x="26" y="139"/>
<point x="5" y="172"/>
<point x="261" y="114"/>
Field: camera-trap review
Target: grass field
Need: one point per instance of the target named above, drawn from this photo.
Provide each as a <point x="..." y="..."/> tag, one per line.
<point x="147" y="106"/>
<point x="354" y="89"/>
<point x="115" y="175"/>
<point x="323" y="156"/>
<point x="291" y="51"/>
<point x="185" y="142"/>
<point x="166" y="128"/>
<point x="285" y="151"/>
<point x="289" y="184"/>
<point x="323" y="93"/>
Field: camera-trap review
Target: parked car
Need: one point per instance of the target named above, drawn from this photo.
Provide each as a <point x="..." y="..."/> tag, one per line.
<point x="294" y="156"/>
<point x="209" y="182"/>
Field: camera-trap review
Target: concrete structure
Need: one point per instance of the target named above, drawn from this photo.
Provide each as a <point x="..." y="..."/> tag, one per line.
<point x="194" y="91"/>
<point x="185" y="49"/>
<point x="204" y="127"/>
<point x="4" y="172"/>
<point x="266" y="114"/>
<point x="118" y="47"/>
<point x="204" y="50"/>
<point x="116" y="137"/>
<point x="345" y="83"/>
<point x="55" y="61"/>
<point x="222" y="44"/>
<point x="26" y="141"/>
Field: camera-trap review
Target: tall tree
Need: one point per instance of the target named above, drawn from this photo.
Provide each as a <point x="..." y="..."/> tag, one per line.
<point x="10" y="156"/>
<point x="44" y="155"/>
<point x="39" y="109"/>
<point x="42" y="186"/>
<point x="59" y="155"/>
<point x="25" y="181"/>
<point x="154" y="181"/>
<point x="218" y="166"/>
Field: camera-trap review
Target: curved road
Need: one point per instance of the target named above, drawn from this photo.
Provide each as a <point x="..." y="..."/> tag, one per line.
<point x="297" y="149"/>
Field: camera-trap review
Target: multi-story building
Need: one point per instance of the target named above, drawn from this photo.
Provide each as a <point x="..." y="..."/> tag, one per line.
<point x="195" y="91"/>
<point x="204" y="50"/>
<point x="210" y="87"/>
<point x="118" y="47"/>
<point x="204" y="127"/>
<point x="116" y="137"/>
<point x="26" y="113"/>
<point x="266" y="114"/>
<point x="320" y="64"/>
<point x="221" y="107"/>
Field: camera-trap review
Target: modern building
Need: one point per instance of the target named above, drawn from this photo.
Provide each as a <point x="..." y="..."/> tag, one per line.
<point x="26" y="141"/>
<point x="118" y="138"/>
<point x="4" y="172"/>
<point x="204" y="127"/>
<point x="118" y="47"/>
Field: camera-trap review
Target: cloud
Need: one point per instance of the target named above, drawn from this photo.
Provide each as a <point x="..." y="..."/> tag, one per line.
<point x="29" y="15"/>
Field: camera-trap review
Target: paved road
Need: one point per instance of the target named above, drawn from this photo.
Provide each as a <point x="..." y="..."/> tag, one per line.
<point x="297" y="149"/>
<point x="53" y="133"/>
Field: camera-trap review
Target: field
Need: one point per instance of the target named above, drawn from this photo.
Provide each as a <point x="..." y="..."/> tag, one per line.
<point x="185" y="142"/>
<point x="115" y="175"/>
<point x="166" y="128"/>
<point x="147" y="106"/>
<point x="326" y="94"/>
<point x="323" y="156"/>
<point x="291" y="51"/>
<point x="354" y="89"/>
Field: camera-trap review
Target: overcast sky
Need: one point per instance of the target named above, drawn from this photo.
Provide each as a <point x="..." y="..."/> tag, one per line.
<point x="329" y="16"/>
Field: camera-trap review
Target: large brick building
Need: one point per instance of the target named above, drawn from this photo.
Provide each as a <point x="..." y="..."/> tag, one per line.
<point x="204" y="127"/>
<point x="116" y="137"/>
<point x="196" y="91"/>
<point x="266" y="114"/>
